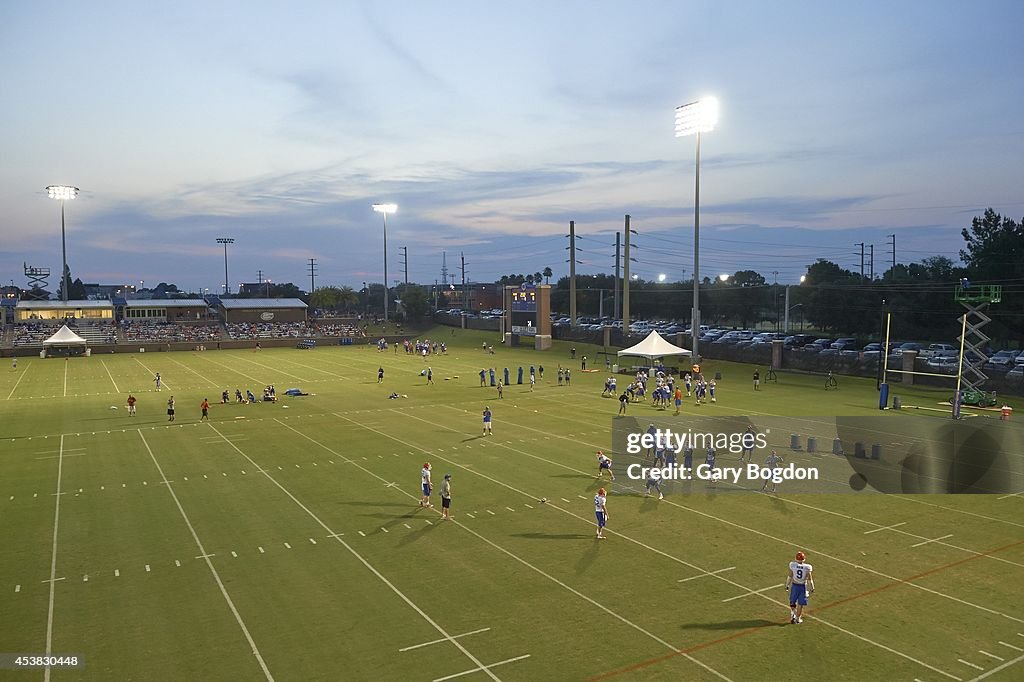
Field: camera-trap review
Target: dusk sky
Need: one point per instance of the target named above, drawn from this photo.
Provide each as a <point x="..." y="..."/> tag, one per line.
<point x="492" y="125"/>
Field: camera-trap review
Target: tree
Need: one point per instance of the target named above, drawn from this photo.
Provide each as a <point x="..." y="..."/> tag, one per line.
<point x="537" y="276"/>
<point x="547" y="275"/>
<point x="995" y="247"/>
<point x="415" y="302"/>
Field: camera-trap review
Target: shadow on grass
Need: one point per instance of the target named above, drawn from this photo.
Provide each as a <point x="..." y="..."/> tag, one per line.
<point x="553" y="536"/>
<point x="415" y="535"/>
<point x="478" y="437"/>
<point x="588" y="557"/>
<point x="732" y="625"/>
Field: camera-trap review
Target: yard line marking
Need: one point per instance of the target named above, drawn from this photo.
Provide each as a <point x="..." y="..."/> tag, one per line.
<point x="163" y="383"/>
<point x="147" y="568"/>
<point x="53" y="556"/>
<point x="485" y="668"/>
<point x="429" y="522"/>
<point x="998" y="668"/>
<point x="438" y="641"/>
<point x="20" y="377"/>
<point x="933" y="540"/>
<point x="338" y="535"/>
<point x="85" y="578"/>
<point x="407" y="526"/>
<point x="368" y="565"/>
<point x="510" y="509"/>
<point x="261" y="550"/>
<point x="51" y="581"/>
<point x="491" y="513"/>
<point x="116" y="389"/>
<point x="17" y="588"/>
<point x="581" y="497"/>
<point x="47" y="676"/>
<point x="206" y="557"/>
<point x="470" y="515"/>
<point x="384" y="529"/>
<point x="875" y="530"/>
<point x="177" y="563"/>
<point x="998" y="658"/>
<point x="704" y="575"/>
<point x="763" y="589"/>
<point x="1010" y="646"/>
<point x="361" y="533"/>
<point x="312" y="541"/>
<point x="528" y="505"/>
<point x="233" y="555"/>
<point x="566" y="501"/>
<point x="968" y="663"/>
<point x="287" y="546"/>
<point x="1011" y="495"/>
<point x="117" y="573"/>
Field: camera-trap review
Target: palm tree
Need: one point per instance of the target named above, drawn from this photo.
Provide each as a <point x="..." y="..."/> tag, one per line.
<point x="537" y="277"/>
<point x="529" y="279"/>
<point x="547" y="275"/>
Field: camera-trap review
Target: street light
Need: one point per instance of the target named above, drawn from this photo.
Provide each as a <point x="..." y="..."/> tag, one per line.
<point x="385" y="209"/>
<point x="785" y="325"/>
<point x="724" y="277"/>
<point x="662" y="277"/>
<point x="693" y="119"/>
<point x="63" y="193"/>
<point x="225" y="241"/>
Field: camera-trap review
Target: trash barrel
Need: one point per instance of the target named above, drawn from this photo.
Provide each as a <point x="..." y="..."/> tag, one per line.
<point x="812" y="444"/>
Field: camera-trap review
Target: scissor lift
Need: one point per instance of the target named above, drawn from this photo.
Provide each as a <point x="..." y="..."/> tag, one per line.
<point x="975" y="299"/>
<point x="37" y="281"/>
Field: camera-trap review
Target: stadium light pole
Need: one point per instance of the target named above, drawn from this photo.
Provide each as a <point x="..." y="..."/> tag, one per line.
<point x="693" y="119"/>
<point x="225" y="241"/>
<point x="63" y="193"/>
<point x="384" y="209"/>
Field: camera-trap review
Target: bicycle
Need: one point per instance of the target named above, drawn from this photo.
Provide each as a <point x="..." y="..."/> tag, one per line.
<point x="830" y="382"/>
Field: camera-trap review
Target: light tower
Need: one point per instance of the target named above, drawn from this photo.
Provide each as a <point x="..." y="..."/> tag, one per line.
<point x="225" y="241"/>
<point x="385" y="209"/>
<point x="63" y="193"/>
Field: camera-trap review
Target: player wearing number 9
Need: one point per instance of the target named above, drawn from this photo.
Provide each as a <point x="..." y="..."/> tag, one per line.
<point x="800" y="583"/>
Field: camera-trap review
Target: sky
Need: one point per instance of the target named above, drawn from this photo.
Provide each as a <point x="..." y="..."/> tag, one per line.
<point x="491" y="126"/>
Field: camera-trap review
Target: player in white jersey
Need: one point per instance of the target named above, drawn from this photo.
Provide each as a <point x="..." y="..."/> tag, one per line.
<point x="604" y="463"/>
<point x="601" y="511"/>
<point x="427" y="485"/>
<point x="800" y="583"/>
<point x="772" y="462"/>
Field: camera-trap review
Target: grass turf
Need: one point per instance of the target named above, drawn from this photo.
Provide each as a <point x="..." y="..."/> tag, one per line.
<point x="285" y="540"/>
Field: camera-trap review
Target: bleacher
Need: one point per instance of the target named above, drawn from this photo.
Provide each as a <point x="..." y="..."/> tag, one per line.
<point x="164" y="332"/>
<point x="268" y="330"/>
<point x="95" y="334"/>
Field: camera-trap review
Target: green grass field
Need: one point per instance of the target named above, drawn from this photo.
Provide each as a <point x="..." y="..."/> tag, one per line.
<point x="284" y="541"/>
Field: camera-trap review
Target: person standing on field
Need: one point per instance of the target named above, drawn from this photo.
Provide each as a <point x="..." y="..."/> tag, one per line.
<point x="446" y="497"/>
<point x="205" y="407"/>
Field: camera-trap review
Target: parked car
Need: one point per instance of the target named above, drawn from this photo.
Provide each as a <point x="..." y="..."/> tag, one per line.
<point x="1016" y="374"/>
<point x="1003" y="361"/>
<point x="943" y="363"/>
<point x="847" y="343"/>
<point x="938" y="350"/>
<point x="909" y="345"/>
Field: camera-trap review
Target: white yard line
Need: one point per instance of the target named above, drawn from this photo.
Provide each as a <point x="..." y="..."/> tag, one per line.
<point x="206" y="557"/>
<point x="53" y="559"/>
<point x="66" y="363"/>
<point x="231" y="369"/>
<point x="111" y="376"/>
<point x="875" y="530"/>
<point x="201" y="376"/>
<point x="364" y="562"/>
<point x="270" y="367"/>
<point x="998" y="668"/>
<point x="163" y="384"/>
<point x="751" y="592"/>
<point x="935" y="540"/>
<point x="705" y="575"/>
<point x="438" y="641"/>
<point x="485" y="668"/>
<point x="20" y="377"/>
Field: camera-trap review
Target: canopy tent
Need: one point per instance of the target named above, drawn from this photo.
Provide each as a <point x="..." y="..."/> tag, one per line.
<point x="64" y="337"/>
<point x="654" y="346"/>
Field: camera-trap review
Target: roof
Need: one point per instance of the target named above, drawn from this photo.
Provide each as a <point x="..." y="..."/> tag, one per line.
<point x="60" y="305"/>
<point x="260" y="303"/>
<point x="166" y="303"/>
<point x="64" y="337"/>
<point x="654" y="347"/>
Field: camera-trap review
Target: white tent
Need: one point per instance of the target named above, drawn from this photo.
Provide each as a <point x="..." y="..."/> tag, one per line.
<point x="64" y="337"/>
<point x="654" y="346"/>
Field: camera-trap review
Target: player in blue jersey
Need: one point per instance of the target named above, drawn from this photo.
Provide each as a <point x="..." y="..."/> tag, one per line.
<point x="654" y="483"/>
<point x="601" y="511"/>
<point x="800" y="583"/>
<point x="709" y="460"/>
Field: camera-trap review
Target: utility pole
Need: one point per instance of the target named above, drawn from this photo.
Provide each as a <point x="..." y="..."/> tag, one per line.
<point x="618" y="263"/>
<point x="465" y="297"/>
<point x="872" y="261"/>
<point x="861" y="245"/>
<point x="572" y="273"/>
<point x="259" y="280"/>
<point x="893" y="244"/>
<point x="312" y="275"/>
<point x="625" y="281"/>
<point x="435" y="294"/>
<point x="405" y="264"/>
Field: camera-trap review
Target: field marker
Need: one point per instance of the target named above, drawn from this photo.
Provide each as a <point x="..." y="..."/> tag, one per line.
<point x="565" y="500"/>
<point x="998" y="658"/>
<point x="875" y="530"/>
<point x="407" y="526"/>
<point x="438" y="641"/>
<point x="581" y="497"/>
<point x="233" y="555"/>
<point x="429" y="522"/>
<point x="510" y="509"/>
<point x="147" y="568"/>
<point x="491" y="513"/>
<point x="484" y="668"/>
<point x="104" y="487"/>
<point x="85" y="578"/>
<point x="338" y="535"/>
<point x="384" y="529"/>
<point x="932" y="540"/>
<point x="704" y="575"/>
<point x="117" y="573"/>
<point x="203" y="556"/>
<point x="369" y="566"/>
<point x="968" y="663"/>
<point x="213" y="570"/>
<point x="470" y="515"/>
<point x="1021" y="493"/>
<point x="261" y="550"/>
<point x="47" y="676"/>
<point x="177" y="563"/>
<point x="53" y="557"/>
<point x="747" y="594"/>
<point x="1010" y="646"/>
<point x="116" y="389"/>
<point x="998" y="668"/>
<point x="312" y="541"/>
<point x="17" y="588"/>
<point x="362" y="534"/>
<point x="528" y="505"/>
<point x="287" y="546"/>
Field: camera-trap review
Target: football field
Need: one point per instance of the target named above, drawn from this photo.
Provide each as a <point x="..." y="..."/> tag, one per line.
<point x="285" y="540"/>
